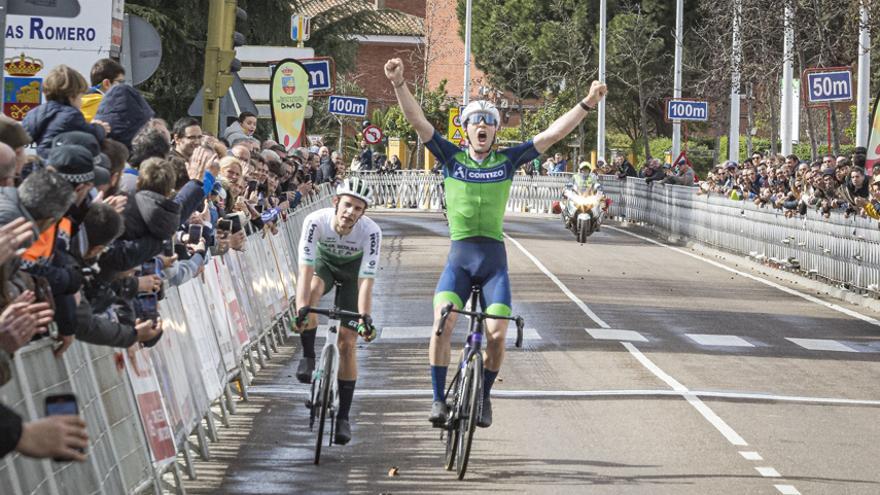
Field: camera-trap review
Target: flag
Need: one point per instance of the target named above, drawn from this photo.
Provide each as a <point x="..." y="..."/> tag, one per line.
<point x="873" y="140"/>
<point x="289" y="97"/>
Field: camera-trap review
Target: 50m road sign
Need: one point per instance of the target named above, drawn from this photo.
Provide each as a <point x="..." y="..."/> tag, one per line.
<point x="826" y="86"/>
<point x="349" y="106"/>
<point x="690" y="110"/>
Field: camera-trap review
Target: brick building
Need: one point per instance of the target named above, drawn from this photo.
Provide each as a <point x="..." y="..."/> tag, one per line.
<point x="400" y="34"/>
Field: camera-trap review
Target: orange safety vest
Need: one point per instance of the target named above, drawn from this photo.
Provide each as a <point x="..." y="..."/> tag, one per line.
<point x="41" y="250"/>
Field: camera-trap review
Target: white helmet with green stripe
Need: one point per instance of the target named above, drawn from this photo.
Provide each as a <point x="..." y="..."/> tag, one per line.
<point x="357" y="187"/>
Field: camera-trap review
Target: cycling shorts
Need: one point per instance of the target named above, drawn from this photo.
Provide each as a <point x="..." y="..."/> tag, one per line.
<point x="471" y="261"/>
<point x="347" y="294"/>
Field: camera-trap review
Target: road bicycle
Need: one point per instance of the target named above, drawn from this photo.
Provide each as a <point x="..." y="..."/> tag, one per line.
<point x="324" y="397"/>
<point x="464" y="397"/>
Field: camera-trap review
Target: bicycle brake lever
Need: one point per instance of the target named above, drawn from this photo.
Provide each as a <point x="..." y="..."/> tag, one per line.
<point x="520" y="323"/>
<point x="444" y="313"/>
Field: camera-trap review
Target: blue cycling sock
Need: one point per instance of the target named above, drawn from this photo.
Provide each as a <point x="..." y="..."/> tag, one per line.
<point x="488" y="380"/>
<point x="438" y="380"/>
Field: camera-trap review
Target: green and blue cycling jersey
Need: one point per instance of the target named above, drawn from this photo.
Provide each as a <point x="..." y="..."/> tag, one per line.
<point x="476" y="199"/>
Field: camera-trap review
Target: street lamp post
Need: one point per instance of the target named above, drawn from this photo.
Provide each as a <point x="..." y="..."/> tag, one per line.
<point x="600" y="132"/>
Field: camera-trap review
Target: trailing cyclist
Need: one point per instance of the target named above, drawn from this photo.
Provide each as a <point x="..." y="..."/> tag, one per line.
<point x="339" y="244"/>
<point x="477" y="182"/>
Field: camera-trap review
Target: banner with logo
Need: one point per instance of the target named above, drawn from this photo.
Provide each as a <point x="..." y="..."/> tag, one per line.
<point x="289" y="96"/>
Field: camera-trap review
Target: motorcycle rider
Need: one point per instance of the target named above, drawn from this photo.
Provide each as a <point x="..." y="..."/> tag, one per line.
<point x="584" y="180"/>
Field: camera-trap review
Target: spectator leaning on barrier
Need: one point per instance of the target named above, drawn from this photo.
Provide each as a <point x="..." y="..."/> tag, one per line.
<point x="684" y="177"/>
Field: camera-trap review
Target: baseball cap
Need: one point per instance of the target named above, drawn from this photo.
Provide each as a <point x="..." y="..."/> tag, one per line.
<point x="828" y="171"/>
<point x="73" y="162"/>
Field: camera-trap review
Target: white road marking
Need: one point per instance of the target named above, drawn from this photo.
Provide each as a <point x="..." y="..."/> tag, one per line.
<point x="608" y="334"/>
<point x="787" y="490"/>
<point x="589" y="312"/>
<point x="783" y="288"/>
<point x="768" y="472"/>
<point x="822" y="345"/>
<point x="713" y="419"/>
<point x="297" y="389"/>
<point x="719" y="340"/>
<point x="424" y="333"/>
<point x="751" y="456"/>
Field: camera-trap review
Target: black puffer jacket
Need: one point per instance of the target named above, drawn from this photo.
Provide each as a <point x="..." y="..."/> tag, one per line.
<point x="50" y="119"/>
<point x="126" y="111"/>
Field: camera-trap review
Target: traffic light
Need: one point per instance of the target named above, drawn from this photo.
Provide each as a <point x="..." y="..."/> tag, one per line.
<point x="220" y="61"/>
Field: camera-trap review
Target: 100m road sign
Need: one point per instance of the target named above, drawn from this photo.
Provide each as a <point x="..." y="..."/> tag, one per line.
<point x="692" y="110"/>
<point x="349" y="106"/>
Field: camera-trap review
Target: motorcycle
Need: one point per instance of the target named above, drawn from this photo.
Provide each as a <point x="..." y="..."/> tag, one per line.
<point x="583" y="213"/>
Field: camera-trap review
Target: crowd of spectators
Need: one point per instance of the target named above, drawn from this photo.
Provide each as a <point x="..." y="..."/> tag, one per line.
<point x="794" y="186"/>
<point x="103" y="205"/>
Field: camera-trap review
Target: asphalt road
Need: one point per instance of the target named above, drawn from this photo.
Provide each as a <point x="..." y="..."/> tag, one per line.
<point x="646" y="369"/>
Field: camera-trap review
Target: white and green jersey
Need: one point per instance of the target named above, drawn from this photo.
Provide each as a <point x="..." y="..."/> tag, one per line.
<point x="320" y="240"/>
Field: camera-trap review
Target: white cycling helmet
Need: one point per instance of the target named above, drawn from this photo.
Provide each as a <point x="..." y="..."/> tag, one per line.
<point x="354" y="186"/>
<point x="480" y="107"/>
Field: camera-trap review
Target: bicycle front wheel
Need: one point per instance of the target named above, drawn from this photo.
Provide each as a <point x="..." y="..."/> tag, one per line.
<point x="324" y="394"/>
<point x="471" y="396"/>
<point x="452" y="422"/>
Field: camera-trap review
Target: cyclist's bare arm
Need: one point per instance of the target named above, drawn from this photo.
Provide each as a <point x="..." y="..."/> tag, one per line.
<point x="411" y="109"/>
<point x="365" y="296"/>
<point x="562" y="126"/>
<point x="304" y="285"/>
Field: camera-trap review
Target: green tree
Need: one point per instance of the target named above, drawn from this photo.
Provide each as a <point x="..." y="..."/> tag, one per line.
<point x="635" y="61"/>
<point x="183" y="29"/>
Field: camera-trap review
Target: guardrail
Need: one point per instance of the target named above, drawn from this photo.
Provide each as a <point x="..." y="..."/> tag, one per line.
<point x="839" y="250"/>
<point x="144" y="408"/>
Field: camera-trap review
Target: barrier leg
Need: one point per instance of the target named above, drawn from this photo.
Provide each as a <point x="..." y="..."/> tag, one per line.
<point x="273" y="338"/>
<point x="250" y="356"/>
<point x="178" y="479"/>
<point x="227" y="396"/>
<point x="203" y="450"/>
<point x="188" y="461"/>
<point x="224" y="413"/>
<point x="212" y="426"/>
<point x="262" y="351"/>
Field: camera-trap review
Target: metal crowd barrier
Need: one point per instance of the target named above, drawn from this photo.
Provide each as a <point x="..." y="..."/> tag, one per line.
<point x="839" y="250"/>
<point x="419" y="190"/>
<point x="147" y="409"/>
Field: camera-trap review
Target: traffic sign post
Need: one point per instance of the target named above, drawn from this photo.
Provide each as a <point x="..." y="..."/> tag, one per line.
<point x="372" y="134"/>
<point x="827" y="86"/>
<point x="347" y="106"/>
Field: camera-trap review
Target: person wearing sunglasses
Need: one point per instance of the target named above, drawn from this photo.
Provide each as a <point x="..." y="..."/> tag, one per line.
<point x="477" y="184"/>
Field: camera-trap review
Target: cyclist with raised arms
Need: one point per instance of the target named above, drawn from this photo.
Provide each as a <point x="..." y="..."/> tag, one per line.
<point x="338" y="244"/>
<point x="477" y="182"/>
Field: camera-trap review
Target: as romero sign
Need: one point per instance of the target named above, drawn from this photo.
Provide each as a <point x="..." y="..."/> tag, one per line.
<point x="827" y="86"/>
<point x="690" y="110"/>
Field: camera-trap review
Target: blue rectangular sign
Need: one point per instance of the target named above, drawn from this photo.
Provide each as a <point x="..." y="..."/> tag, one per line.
<point x="319" y="74"/>
<point x="687" y="110"/>
<point x="824" y="87"/>
<point x="349" y="106"/>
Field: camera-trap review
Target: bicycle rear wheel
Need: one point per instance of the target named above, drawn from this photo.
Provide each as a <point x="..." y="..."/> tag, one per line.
<point x="452" y="422"/>
<point x="471" y="396"/>
<point x="324" y="394"/>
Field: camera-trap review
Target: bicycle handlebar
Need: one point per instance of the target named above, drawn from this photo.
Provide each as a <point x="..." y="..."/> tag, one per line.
<point x="449" y="308"/>
<point x="334" y="314"/>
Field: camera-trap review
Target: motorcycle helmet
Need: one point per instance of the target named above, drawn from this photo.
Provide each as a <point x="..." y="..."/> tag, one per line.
<point x="586" y="165"/>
